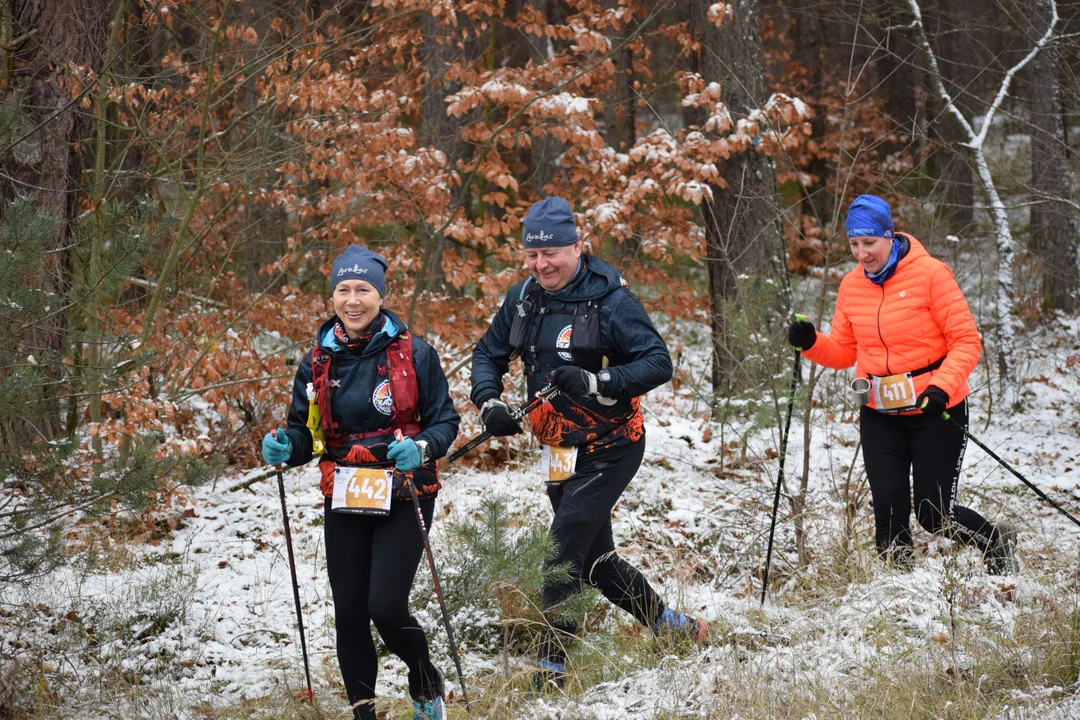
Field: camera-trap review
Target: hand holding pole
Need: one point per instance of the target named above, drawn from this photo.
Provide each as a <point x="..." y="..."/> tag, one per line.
<point x="543" y="395"/>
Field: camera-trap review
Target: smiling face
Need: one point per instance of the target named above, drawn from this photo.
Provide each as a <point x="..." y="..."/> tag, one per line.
<point x="356" y="303"/>
<point x="871" y="252"/>
<point x="553" y="267"/>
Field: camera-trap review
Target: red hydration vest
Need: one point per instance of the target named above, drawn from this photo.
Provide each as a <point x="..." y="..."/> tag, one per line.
<point x="404" y="391"/>
<point x="405" y="395"/>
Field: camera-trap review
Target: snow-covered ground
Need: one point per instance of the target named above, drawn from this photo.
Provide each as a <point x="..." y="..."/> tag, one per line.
<point x="205" y="619"/>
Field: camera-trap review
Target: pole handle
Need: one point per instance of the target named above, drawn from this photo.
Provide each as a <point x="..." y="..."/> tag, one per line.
<point x="801" y="318"/>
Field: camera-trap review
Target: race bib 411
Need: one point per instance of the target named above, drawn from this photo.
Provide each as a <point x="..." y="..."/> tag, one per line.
<point x="895" y="393"/>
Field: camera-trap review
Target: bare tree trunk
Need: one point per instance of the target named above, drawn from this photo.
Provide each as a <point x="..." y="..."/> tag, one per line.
<point x="809" y="27"/>
<point x="47" y="35"/>
<point x="545" y="150"/>
<point x="620" y="117"/>
<point x="952" y="163"/>
<point x="1053" y="222"/>
<point x="440" y="130"/>
<point x="742" y="229"/>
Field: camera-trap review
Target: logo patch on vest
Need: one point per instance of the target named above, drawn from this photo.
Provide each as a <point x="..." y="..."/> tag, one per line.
<point x="564" y="342"/>
<point x="382" y="398"/>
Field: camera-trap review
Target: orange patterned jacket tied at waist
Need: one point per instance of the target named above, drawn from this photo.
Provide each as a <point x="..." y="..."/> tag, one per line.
<point x="915" y="318"/>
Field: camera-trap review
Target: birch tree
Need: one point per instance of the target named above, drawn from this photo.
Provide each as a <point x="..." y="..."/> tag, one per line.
<point x="973" y="139"/>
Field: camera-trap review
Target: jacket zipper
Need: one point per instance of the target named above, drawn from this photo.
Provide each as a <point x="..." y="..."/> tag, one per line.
<point x="880" y="337"/>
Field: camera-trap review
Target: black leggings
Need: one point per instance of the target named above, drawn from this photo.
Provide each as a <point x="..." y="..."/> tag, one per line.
<point x="582" y="533"/>
<point x="372" y="562"/>
<point x="932" y="449"/>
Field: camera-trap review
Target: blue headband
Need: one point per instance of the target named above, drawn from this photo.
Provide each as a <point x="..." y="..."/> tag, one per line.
<point x="869" y="216"/>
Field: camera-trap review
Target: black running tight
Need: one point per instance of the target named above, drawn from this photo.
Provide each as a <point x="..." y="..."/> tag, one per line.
<point x="372" y="562"/>
<point x="931" y="450"/>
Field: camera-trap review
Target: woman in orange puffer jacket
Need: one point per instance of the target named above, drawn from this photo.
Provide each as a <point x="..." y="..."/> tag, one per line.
<point x="903" y="321"/>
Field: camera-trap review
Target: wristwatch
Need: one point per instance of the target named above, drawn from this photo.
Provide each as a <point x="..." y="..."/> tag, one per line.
<point x="425" y="453"/>
<point x="604" y="378"/>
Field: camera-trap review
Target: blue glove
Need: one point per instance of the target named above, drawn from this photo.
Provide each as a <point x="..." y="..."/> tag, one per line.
<point x="405" y="454"/>
<point x="274" y="451"/>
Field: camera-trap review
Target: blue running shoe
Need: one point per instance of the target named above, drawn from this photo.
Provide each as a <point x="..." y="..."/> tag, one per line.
<point x="435" y="708"/>
<point x="676" y="624"/>
<point x="550" y="675"/>
<point x="429" y="709"/>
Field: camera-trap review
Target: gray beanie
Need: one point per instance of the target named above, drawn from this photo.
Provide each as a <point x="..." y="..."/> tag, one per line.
<point x="549" y="223"/>
<point x="359" y="263"/>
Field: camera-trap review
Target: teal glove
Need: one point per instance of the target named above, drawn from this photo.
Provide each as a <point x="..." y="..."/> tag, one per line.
<point x="405" y="454"/>
<point x="275" y="452"/>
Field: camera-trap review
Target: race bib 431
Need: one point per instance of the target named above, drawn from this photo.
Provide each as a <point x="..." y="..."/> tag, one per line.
<point x="558" y="464"/>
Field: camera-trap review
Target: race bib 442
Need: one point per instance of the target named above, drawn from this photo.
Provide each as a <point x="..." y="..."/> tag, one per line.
<point x="365" y="491"/>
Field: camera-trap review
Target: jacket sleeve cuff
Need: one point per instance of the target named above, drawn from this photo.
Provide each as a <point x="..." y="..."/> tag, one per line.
<point x="483" y="396"/>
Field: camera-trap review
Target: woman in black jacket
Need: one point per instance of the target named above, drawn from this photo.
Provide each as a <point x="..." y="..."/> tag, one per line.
<point x="366" y="379"/>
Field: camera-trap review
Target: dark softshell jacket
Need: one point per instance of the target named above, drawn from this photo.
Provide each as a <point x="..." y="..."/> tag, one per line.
<point x="637" y="357"/>
<point x="360" y="395"/>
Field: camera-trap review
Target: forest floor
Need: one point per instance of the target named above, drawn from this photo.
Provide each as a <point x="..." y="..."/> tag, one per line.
<point x="197" y="620"/>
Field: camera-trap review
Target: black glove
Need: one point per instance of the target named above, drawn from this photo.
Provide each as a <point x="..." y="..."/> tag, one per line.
<point x="573" y="380"/>
<point x="933" y="401"/>
<point x="801" y="334"/>
<point x="497" y="419"/>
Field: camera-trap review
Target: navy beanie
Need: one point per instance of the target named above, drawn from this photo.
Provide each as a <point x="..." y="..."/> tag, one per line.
<point x="359" y="263"/>
<point x="869" y="216"/>
<point x="549" y="223"/>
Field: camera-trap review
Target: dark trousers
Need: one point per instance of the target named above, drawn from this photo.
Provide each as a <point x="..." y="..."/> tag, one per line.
<point x="932" y="450"/>
<point x="372" y="562"/>
<point x="584" y="540"/>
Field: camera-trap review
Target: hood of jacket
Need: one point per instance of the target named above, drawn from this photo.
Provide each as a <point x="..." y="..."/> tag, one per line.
<point x="393" y="326"/>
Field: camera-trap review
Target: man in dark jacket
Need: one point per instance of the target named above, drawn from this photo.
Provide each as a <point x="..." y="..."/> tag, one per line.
<point x="573" y="322"/>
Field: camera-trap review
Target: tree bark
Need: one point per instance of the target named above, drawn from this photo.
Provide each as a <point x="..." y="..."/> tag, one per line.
<point x="545" y="150"/>
<point x="955" y="51"/>
<point x="1053" y="217"/>
<point x="441" y="131"/>
<point x="742" y="222"/>
<point x="48" y="35"/>
<point x="810" y="22"/>
<point x="620" y="118"/>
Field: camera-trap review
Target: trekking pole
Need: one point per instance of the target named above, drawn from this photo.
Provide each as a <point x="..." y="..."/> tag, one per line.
<point x="438" y="588"/>
<point x="780" y="473"/>
<point x="310" y="696"/>
<point x="542" y="396"/>
<point x="1010" y="468"/>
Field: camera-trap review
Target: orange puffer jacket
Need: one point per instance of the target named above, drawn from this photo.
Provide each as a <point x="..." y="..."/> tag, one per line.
<point x="916" y="317"/>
